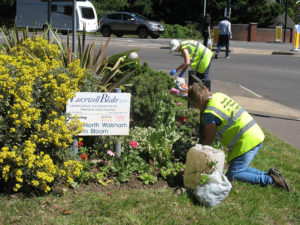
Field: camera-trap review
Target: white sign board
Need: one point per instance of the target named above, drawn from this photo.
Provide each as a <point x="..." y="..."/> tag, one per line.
<point x="101" y="113"/>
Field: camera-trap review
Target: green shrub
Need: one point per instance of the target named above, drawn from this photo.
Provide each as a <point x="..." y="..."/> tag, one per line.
<point x="146" y="90"/>
<point x="184" y="32"/>
<point x="190" y="132"/>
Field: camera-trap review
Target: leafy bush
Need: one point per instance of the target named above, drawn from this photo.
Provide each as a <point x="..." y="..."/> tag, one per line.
<point x="146" y="90"/>
<point x="190" y="132"/>
<point x="34" y="131"/>
<point x="177" y="31"/>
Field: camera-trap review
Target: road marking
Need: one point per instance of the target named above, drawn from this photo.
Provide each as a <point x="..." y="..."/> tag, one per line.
<point x="241" y="86"/>
<point x="252" y="92"/>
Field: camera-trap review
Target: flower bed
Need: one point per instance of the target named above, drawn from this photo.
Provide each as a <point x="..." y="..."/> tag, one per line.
<point x="36" y="134"/>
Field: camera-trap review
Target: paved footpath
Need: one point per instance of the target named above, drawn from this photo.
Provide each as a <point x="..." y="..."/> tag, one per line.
<point x="285" y="123"/>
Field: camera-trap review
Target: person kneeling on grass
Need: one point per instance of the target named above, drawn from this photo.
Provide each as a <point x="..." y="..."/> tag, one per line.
<point x="227" y="121"/>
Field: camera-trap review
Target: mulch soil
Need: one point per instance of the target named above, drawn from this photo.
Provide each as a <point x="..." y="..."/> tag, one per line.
<point x="133" y="183"/>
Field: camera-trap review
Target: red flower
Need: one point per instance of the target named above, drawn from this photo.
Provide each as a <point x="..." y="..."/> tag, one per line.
<point x="133" y="144"/>
<point x="182" y="119"/>
<point x="83" y="156"/>
<point x="80" y="144"/>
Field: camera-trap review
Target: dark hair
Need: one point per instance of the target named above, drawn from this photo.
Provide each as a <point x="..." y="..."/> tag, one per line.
<point x="207" y="17"/>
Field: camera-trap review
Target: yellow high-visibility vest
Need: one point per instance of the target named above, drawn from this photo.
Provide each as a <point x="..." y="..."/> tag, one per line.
<point x="200" y="56"/>
<point x="238" y="131"/>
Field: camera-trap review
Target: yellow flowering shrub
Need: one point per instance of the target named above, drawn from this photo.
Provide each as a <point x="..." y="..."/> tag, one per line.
<point x="35" y="132"/>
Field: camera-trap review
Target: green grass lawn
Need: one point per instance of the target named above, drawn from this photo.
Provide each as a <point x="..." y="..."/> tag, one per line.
<point x="246" y="204"/>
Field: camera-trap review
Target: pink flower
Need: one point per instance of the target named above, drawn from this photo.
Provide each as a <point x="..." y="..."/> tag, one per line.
<point x="182" y="119"/>
<point x="179" y="103"/>
<point x="109" y="193"/>
<point x="111" y="153"/>
<point x="181" y="170"/>
<point x="83" y="156"/>
<point x="174" y="91"/>
<point x="133" y="144"/>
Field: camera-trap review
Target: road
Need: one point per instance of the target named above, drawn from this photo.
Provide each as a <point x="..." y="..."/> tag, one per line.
<point x="275" y="77"/>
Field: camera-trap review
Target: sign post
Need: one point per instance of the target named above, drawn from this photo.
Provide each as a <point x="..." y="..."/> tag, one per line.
<point x="102" y="114"/>
<point x="216" y="36"/>
<point x="296" y="33"/>
<point x="74" y="29"/>
<point x="49" y="18"/>
<point x="117" y="143"/>
<point x="278" y="36"/>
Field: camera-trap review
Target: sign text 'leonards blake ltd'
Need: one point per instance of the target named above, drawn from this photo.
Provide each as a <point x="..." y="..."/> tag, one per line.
<point x="101" y="113"/>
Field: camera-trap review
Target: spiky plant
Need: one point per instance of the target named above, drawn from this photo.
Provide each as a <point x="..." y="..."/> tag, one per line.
<point x="106" y="67"/>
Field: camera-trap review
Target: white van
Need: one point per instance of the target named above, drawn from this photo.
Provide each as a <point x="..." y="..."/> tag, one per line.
<point x="34" y="14"/>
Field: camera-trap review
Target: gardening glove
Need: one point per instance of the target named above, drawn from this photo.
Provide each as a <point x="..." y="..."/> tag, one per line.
<point x="173" y="72"/>
<point x="181" y="74"/>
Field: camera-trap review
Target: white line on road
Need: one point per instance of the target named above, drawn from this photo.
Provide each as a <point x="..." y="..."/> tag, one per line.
<point x="252" y="92"/>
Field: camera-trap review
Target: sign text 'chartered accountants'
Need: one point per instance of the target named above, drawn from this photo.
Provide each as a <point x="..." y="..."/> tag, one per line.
<point x="101" y="113"/>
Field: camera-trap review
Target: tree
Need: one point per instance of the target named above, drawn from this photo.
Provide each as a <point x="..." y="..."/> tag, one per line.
<point x="243" y="11"/>
<point x="7" y="12"/>
<point x="142" y="6"/>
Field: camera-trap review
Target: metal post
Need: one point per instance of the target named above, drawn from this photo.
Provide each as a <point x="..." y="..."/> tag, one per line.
<point x="74" y="29"/>
<point x="204" y="7"/>
<point x="285" y="19"/>
<point x="117" y="143"/>
<point x="49" y="19"/>
<point x="75" y="146"/>
<point x="228" y="11"/>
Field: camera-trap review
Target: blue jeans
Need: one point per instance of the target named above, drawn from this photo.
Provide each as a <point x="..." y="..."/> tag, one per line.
<point x="239" y="169"/>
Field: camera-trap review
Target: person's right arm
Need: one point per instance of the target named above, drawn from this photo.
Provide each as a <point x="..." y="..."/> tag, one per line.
<point x="186" y="62"/>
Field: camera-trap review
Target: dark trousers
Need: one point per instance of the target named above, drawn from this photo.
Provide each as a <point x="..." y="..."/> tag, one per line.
<point x="200" y="77"/>
<point x="223" y="41"/>
<point x="205" y="40"/>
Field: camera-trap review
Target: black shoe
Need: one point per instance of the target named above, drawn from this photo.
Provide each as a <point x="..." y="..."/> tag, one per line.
<point x="278" y="179"/>
<point x="216" y="56"/>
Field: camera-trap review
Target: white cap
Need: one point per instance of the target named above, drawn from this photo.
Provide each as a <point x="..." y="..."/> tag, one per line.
<point x="173" y="45"/>
<point x="133" y="55"/>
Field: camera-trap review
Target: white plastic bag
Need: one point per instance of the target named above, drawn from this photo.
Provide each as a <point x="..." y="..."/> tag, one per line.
<point x="182" y="86"/>
<point x="215" y="191"/>
<point x="209" y="43"/>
